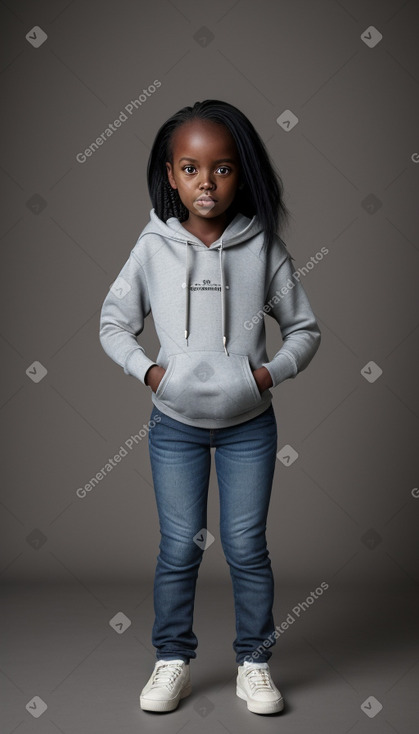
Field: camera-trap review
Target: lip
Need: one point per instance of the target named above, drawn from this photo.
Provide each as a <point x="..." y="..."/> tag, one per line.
<point x="206" y="199"/>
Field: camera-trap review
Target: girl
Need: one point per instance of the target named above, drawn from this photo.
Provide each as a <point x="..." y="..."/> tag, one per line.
<point x="210" y="265"/>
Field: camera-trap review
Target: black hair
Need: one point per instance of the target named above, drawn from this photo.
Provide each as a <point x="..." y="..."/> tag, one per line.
<point x="262" y="188"/>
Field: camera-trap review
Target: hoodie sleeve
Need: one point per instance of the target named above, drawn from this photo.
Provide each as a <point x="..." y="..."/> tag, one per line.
<point x="122" y="319"/>
<point x="288" y="304"/>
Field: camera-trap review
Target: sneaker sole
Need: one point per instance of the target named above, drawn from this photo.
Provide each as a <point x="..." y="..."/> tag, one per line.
<point x="261" y="707"/>
<point x="149" y="704"/>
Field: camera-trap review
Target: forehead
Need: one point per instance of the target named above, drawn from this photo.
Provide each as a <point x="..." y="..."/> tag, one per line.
<point x="200" y="137"/>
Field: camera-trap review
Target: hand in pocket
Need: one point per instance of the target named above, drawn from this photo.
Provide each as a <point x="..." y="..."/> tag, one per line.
<point x="262" y="378"/>
<point x="154" y="376"/>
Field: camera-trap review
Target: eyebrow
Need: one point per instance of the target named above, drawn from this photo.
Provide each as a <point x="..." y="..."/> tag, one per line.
<point x="220" y="160"/>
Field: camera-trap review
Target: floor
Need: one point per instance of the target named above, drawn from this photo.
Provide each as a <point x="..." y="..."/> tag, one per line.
<point x="74" y="659"/>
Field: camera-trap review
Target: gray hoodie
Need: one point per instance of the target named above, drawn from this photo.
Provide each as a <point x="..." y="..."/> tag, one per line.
<point x="208" y="306"/>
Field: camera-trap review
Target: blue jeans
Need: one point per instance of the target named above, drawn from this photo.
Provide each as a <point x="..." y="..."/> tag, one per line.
<point x="245" y="456"/>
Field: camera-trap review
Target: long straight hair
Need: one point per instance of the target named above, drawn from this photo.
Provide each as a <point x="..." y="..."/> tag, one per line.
<point x="262" y="191"/>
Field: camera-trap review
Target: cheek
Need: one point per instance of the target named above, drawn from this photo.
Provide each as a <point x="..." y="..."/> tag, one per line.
<point x="233" y="187"/>
<point x="185" y="184"/>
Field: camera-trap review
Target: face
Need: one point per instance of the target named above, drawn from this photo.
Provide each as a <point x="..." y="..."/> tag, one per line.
<point x="206" y="169"/>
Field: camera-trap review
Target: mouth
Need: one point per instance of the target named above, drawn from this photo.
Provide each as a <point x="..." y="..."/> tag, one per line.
<point x="205" y="202"/>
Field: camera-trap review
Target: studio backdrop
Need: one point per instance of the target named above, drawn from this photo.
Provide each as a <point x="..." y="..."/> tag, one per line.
<point x="332" y="88"/>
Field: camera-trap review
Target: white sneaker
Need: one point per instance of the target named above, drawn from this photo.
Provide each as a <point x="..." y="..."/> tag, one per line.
<point x="168" y="683"/>
<point x="255" y="685"/>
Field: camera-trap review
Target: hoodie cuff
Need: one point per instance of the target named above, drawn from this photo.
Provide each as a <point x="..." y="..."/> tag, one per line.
<point x="137" y="364"/>
<point x="281" y="368"/>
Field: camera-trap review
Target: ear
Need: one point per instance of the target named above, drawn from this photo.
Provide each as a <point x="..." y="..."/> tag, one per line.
<point x="172" y="181"/>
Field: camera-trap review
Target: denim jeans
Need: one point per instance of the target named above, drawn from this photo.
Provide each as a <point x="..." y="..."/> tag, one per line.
<point x="245" y="456"/>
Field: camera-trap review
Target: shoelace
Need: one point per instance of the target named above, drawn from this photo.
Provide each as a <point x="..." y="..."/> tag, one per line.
<point x="259" y="679"/>
<point x="166" y="675"/>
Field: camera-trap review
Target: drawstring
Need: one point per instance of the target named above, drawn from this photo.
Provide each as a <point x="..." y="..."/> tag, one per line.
<point x="187" y="271"/>
<point x="223" y="298"/>
<point x="223" y="301"/>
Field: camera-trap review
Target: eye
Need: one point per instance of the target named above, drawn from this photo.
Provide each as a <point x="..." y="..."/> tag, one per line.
<point x="190" y="168"/>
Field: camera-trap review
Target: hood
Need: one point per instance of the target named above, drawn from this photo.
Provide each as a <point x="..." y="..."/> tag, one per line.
<point x="240" y="229"/>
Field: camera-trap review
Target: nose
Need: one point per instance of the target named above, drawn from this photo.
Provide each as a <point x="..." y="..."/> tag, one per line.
<point x="206" y="181"/>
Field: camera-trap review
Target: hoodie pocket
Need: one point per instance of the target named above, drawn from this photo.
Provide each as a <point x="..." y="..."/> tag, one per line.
<point x="209" y="385"/>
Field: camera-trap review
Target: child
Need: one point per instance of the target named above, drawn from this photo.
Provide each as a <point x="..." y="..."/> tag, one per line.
<point x="209" y="265"/>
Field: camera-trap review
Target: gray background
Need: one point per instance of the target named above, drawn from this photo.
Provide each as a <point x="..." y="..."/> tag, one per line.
<point x="345" y="512"/>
